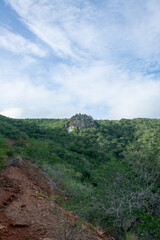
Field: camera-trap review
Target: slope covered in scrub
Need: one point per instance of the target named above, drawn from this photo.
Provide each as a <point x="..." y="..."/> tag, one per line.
<point x="109" y="172"/>
<point x="28" y="208"/>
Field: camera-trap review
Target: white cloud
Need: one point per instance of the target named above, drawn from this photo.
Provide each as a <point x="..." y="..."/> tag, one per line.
<point x="12" y="113"/>
<point x="19" y="45"/>
<point x="65" y="26"/>
<point x="23" y="98"/>
<point x="107" y="53"/>
<point x="105" y="88"/>
<point x="120" y="94"/>
<point x="138" y="99"/>
<point x="142" y="28"/>
<point x="82" y="30"/>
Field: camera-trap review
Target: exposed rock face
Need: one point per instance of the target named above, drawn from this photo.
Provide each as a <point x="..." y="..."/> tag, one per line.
<point x="79" y="122"/>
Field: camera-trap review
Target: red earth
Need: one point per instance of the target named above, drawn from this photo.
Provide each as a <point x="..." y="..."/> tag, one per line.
<point x="28" y="210"/>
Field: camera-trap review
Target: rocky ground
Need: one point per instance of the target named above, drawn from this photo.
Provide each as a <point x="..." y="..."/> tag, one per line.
<point x="28" y="210"/>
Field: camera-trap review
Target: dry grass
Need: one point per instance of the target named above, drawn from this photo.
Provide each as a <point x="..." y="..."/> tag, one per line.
<point x="131" y="236"/>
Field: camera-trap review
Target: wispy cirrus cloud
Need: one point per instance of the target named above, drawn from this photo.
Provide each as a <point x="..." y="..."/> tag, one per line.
<point x="17" y="44"/>
<point x="110" y="31"/>
<point x="67" y="27"/>
<point x="103" y="57"/>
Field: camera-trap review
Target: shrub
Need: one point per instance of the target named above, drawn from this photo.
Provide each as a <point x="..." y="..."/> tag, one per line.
<point x="131" y="236"/>
<point x="68" y="229"/>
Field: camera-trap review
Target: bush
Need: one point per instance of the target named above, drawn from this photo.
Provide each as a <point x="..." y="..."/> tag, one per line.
<point x="131" y="236"/>
<point x="5" y="151"/>
<point x="148" y="227"/>
<point x="68" y="229"/>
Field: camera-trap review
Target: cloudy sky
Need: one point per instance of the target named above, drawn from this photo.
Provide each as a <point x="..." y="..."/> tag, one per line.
<point x="62" y="57"/>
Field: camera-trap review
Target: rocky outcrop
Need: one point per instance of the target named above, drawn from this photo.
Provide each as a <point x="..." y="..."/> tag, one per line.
<point x="80" y="122"/>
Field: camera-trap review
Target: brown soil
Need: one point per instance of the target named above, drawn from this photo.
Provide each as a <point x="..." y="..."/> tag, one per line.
<point x="28" y="213"/>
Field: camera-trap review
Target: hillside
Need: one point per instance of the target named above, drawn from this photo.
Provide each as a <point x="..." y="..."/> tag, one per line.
<point x="109" y="171"/>
<point x="28" y="208"/>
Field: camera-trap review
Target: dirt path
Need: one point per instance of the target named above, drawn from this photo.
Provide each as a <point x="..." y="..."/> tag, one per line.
<point x="27" y="213"/>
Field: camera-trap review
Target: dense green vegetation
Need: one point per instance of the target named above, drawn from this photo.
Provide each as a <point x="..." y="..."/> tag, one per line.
<point x="110" y="172"/>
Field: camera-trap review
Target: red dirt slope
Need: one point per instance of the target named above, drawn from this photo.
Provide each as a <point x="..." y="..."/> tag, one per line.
<point x="27" y="213"/>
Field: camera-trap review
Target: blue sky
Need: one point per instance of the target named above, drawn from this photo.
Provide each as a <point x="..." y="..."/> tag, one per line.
<point x="59" y="58"/>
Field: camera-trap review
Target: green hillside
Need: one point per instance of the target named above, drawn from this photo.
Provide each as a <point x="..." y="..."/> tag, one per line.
<point x="108" y="170"/>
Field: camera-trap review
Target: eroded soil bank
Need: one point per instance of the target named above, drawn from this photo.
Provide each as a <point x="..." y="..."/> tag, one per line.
<point x="28" y="213"/>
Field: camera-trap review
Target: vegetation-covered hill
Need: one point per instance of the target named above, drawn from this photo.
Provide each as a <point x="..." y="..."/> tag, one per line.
<point x="109" y="170"/>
